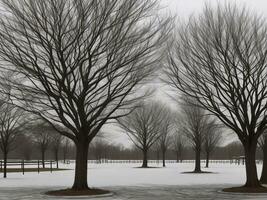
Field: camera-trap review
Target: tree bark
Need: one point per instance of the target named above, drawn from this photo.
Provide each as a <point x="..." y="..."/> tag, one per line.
<point x="144" y="165"/>
<point x="43" y="157"/>
<point x="163" y="158"/>
<point x="80" y="181"/>
<point x="5" y="164"/>
<point x="251" y="169"/>
<point x="197" y="160"/>
<point x="207" y="159"/>
<point x="56" y="157"/>
<point x="263" y="178"/>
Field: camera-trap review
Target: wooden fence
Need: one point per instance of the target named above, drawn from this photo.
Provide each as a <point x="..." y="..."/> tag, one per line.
<point x="22" y="163"/>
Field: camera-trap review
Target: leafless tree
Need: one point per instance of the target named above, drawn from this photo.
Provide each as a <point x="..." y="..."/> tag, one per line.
<point x="13" y="121"/>
<point x="219" y="58"/>
<point x="143" y="126"/>
<point x="194" y="122"/>
<point x="166" y="131"/>
<point x="65" y="149"/>
<point x="212" y="138"/>
<point x="178" y="145"/>
<point x="80" y="61"/>
<point x="263" y="145"/>
<point x="56" y="142"/>
<point x="42" y="136"/>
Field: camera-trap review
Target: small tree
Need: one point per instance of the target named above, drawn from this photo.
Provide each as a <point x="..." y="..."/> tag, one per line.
<point x="220" y="59"/>
<point x="13" y="121"/>
<point x="56" y="142"/>
<point x="65" y="149"/>
<point x="212" y="138"/>
<point x="165" y="135"/>
<point x="178" y="145"/>
<point x="143" y="126"/>
<point x="42" y="136"/>
<point x="194" y="123"/>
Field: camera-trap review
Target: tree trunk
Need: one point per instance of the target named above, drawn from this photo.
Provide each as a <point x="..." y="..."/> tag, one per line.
<point x="56" y="157"/>
<point x="43" y="157"/>
<point x="64" y="157"/>
<point x="80" y="181"/>
<point x="163" y="158"/>
<point x="144" y="159"/>
<point x="197" y="160"/>
<point x="263" y="178"/>
<point x="177" y="157"/>
<point x="207" y="159"/>
<point x="5" y="164"/>
<point x="251" y="169"/>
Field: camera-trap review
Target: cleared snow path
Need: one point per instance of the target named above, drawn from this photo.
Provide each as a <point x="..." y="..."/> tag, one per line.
<point x="201" y="192"/>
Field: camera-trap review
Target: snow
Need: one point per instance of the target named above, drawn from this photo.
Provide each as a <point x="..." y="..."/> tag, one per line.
<point x="126" y="180"/>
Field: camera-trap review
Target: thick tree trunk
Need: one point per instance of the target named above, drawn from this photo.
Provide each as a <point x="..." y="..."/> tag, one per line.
<point x="251" y="169"/>
<point x="80" y="181"/>
<point x="163" y="158"/>
<point x="197" y="161"/>
<point x="207" y="159"/>
<point x="144" y="158"/>
<point x="177" y="157"/>
<point x="263" y="178"/>
<point x="5" y="164"/>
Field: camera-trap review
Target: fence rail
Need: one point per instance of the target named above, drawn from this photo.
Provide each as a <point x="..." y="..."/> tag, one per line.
<point x="23" y="163"/>
<point x="102" y="161"/>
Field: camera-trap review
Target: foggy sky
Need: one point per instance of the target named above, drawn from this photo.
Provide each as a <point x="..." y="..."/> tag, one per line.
<point x="183" y="9"/>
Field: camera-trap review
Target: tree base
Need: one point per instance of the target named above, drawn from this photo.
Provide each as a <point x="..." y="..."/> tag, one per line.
<point x="198" y="172"/>
<point x="244" y="189"/>
<point x="72" y="192"/>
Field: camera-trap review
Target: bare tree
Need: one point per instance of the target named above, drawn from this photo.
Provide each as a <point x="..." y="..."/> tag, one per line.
<point x="65" y="149"/>
<point x="194" y="122"/>
<point x="80" y="61"/>
<point x="56" y="142"/>
<point x="143" y="126"/>
<point x="263" y="145"/>
<point x="165" y="135"/>
<point x="13" y="121"/>
<point x="42" y="136"/>
<point x="99" y="149"/>
<point x="212" y="138"/>
<point x="178" y="145"/>
<point x="219" y="58"/>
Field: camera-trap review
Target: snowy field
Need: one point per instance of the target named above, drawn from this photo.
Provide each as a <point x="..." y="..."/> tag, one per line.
<point x="127" y="181"/>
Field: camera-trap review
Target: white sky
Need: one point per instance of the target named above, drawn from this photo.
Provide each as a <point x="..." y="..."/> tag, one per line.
<point x="183" y="9"/>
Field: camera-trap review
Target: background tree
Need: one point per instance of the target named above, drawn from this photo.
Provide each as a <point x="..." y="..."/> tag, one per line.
<point x="42" y="134"/>
<point x="56" y="142"/>
<point x="178" y="145"/>
<point x="194" y="122"/>
<point x="13" y="121"/>
<point x="80" y="61"/>
<point x="65" y="149"/>
<point x="143" y="126"/>
<point x="166" y="131"/>
<point x="212" y="138"/>
<point x="219" y="58"/>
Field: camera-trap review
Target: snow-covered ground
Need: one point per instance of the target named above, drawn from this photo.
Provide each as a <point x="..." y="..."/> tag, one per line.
<point x="129" y="182"/>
